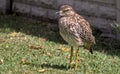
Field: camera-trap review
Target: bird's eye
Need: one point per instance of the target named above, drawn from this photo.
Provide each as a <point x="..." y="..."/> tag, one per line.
<point x="65" y="10"/>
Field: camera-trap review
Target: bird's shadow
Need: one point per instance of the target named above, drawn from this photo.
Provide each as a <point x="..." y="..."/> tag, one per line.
<point x="61" y="67"/>
<point x="54" y="66"/>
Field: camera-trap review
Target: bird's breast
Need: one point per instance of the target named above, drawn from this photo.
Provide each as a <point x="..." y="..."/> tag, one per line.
<point x="72" y="39"/>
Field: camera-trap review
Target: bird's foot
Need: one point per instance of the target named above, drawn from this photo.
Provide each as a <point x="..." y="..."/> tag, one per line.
<point x="76" y="64"/>
<point x="72" y="64"/>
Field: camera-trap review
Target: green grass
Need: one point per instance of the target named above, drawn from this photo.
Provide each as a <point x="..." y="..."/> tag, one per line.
<point x="28" y="46"/>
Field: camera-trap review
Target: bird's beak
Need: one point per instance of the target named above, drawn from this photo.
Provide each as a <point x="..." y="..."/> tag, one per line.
<point x="59" y="12"/>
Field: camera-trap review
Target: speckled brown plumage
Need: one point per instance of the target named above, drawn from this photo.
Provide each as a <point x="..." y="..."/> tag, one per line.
<point x="74" y="29"/>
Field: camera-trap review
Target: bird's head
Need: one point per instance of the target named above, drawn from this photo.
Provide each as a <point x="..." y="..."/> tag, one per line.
<point x="66" y="10"/>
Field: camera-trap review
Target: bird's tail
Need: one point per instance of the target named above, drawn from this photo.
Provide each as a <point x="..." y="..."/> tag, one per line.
<point x="91" y="50"/>
<point x="89" y="46"/>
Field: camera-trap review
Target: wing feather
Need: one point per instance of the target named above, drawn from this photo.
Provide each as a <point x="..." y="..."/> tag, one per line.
<point x="79" y="26"/>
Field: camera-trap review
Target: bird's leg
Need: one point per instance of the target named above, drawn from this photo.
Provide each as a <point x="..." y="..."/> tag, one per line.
<point x="71" y="54"/>
<point x="76" y="59"/>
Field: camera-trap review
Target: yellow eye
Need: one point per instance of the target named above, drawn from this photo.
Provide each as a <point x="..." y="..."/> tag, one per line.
<point x="65" y="10"/>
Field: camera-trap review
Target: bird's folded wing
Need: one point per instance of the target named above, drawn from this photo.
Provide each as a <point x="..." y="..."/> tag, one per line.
<point x="82" y="29"/>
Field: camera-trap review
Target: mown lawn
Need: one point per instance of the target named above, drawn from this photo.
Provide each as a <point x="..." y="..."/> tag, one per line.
<point x="33" y="47"/>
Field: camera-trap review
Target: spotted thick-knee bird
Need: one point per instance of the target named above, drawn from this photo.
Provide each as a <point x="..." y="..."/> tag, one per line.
<point x="75" y="30"/>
